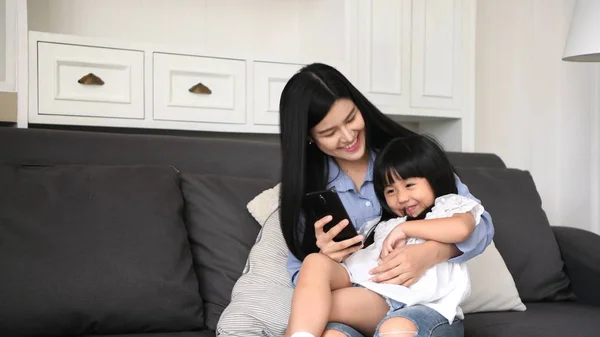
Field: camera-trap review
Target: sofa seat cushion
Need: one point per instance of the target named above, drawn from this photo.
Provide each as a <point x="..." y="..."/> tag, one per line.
<point x="221" y="233"/>
<point x="94" y="250"/>
<point x="543" y="319"/>
<point x="203" y="333"/>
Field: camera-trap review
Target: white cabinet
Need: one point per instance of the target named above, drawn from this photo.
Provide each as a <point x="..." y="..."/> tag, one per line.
<point x="199" y="89"/>
<point x="414" y="55"/>
<point x="90" y="81"/>
<point x="416" y="62"/>
<point x="84" y="81"/>
<point x="8" y="44"/>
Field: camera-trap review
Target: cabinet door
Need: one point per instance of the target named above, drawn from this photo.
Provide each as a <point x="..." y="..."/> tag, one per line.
<point x="438" y="53"/>
<point x="8" y="44"/>
<point x="384" y="51"/>
<point x="269" y="81"/>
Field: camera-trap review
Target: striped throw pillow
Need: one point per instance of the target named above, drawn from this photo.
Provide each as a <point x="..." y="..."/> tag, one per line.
<point x="261" y="298"/>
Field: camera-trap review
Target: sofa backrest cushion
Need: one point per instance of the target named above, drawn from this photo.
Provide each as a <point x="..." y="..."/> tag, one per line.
<point x="94" y="250"/>
<point x="523" y="234"/>
<point x="469" y="159"/>
<point x="194" y="154"/>
<point x="221" y="233"/>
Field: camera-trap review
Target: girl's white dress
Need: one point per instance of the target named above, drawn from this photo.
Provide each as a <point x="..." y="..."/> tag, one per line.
<point x="443" y="287"/>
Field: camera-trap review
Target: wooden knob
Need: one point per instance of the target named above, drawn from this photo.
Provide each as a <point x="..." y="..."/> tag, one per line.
<point x="90" y="79"/>
<point x="200" y="89"/>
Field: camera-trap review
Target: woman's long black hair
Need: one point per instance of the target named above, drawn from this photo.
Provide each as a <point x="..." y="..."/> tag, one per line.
<point x="305" y="100"/>
<point x="416" y="156"/>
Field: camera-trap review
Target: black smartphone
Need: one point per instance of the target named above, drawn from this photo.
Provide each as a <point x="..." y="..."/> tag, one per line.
<point x="322" y="203"/>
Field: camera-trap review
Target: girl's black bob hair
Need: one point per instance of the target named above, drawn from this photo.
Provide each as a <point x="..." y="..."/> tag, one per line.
<point x="414" y="156"/>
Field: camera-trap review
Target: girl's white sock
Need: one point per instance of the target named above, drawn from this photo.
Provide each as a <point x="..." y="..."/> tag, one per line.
<point x="302" y="334"/>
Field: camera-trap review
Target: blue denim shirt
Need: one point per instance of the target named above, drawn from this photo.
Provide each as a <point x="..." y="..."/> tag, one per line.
<point x="363" y="206"/>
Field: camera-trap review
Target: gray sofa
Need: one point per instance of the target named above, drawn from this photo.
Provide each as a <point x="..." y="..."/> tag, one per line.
<point x="145" y="235"/>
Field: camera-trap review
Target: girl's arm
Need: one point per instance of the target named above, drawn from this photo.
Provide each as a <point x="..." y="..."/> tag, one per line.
<point x="405" y="264"/>
<point x="447" y="230"/>
<point x="444" y="230"/>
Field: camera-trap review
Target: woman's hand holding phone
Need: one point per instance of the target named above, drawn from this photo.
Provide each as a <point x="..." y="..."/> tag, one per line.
<point x="336" y="251"/>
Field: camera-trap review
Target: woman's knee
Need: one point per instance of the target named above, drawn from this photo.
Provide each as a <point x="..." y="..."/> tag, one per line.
<point x="333" y="333"/>
<point x="397" y="327"/>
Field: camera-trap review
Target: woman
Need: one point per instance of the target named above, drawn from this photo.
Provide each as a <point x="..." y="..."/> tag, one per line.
<point x="330" y="136"/>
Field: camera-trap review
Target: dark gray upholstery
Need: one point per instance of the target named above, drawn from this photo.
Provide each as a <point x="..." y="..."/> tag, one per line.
<point x="78" y="251"/>
<point x="221" y="234"/>
<point x="206" y="162"/>
<point x="462" y="159"/>
<point x="205" y="333"/>
<point x="540" y="320"/>
<point x="510" y="196"/>
<point x="582" y="260"/>
<point x="188" y="154"/>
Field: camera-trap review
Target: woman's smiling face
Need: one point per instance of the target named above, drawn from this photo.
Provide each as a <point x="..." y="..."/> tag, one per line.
<point x="341" y="134"/>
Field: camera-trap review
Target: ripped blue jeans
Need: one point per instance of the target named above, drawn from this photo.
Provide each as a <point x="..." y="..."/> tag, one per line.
<point x="429" y="323"/>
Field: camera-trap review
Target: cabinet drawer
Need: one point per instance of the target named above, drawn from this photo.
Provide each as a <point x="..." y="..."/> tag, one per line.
<point x="90" y="81"/>
<point x="199" y="89"/>
<point x="269" y="81"/>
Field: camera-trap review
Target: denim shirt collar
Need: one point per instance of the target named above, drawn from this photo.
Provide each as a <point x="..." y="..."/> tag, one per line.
<point x="340" y="180"/>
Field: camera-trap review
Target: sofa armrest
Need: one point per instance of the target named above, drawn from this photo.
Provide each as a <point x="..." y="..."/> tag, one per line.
<point x="580" y="251"/>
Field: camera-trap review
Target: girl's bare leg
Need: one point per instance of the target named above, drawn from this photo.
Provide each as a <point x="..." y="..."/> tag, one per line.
<point x="312" y="299"/>
<point x="359" y="308"/>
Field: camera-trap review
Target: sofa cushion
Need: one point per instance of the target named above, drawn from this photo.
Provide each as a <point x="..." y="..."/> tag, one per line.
<point x="94" y="250"/>
<point x="221" y="232"/>
<point x="540" y="320"/>
<point x="523" y="235"/>
<point x="202" y="333"/>
<point x="261" y="297"/>
<point x="492" y="285"/>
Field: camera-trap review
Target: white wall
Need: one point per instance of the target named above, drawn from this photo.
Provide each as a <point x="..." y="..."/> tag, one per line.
<point x="8" y="107"/>
<point x="536" y="111"/>
<point x="270" y="28"/>
<point x="2" y="40"/>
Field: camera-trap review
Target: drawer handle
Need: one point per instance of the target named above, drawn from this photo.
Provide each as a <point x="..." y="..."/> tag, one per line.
<point x="200" y="89"/>
<point x="90" y="79"/>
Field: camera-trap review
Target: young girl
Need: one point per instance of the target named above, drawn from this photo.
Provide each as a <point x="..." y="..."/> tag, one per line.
<point x="415" y="183"/>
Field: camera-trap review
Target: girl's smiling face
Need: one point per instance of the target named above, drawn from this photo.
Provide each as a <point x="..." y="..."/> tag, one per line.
<point x="409" y="197"/>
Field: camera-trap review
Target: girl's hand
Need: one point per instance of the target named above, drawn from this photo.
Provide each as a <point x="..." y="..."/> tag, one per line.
<point x="396" y="238"/>
<point x="405" y="265"/>
<point x="336" y="251"/>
